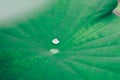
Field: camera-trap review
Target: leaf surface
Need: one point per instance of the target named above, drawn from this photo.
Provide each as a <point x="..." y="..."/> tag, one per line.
<point x="88" y="48"/>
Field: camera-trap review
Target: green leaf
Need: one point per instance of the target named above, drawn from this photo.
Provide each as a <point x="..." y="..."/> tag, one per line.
<point x="61" y="40"/>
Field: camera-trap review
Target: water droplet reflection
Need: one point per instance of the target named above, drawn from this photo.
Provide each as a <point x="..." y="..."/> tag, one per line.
<point x="54" y="51"/>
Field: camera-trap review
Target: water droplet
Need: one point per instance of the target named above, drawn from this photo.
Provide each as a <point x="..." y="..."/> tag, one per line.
<point x="55" y="41"/>
<point x="54" y="51"/>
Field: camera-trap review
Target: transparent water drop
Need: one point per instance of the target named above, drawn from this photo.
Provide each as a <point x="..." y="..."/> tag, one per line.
<point x="54" y="51"/>
<point x="55" y="41"/>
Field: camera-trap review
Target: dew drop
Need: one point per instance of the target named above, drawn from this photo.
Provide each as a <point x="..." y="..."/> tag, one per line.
<point x="55" y="41"/>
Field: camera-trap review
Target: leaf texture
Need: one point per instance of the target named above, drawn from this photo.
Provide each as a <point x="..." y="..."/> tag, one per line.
<point x="89" y="47"/>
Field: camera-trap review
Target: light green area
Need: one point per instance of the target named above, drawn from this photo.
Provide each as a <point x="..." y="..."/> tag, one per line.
<point x="88" y="48"/>
<point x="118" y="8"/>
